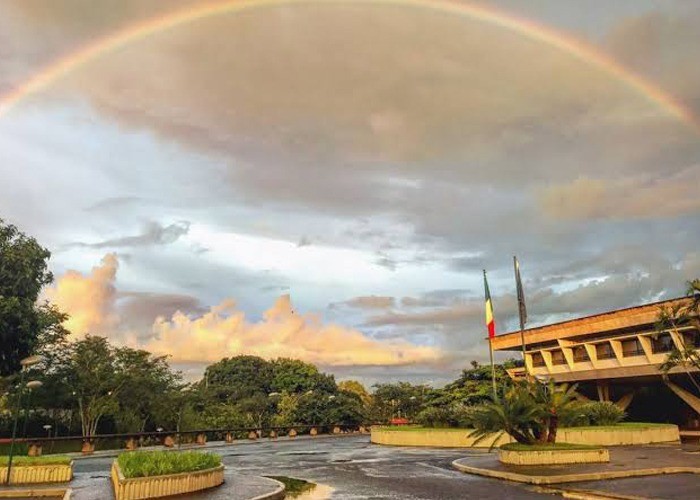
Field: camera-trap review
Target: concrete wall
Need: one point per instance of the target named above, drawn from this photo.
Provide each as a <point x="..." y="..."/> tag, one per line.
<point x="442" y="438"/>
<point x="553" y="457"/>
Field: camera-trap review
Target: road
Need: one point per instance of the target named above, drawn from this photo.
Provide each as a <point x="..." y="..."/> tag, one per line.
<point x="352" y="468"/>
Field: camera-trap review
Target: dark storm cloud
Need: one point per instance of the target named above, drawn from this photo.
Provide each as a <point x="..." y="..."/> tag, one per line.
<point x="153" y="234"/>
<point x="138" y="310"/>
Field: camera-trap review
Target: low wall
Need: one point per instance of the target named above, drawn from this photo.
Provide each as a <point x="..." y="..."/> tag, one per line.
<point x="442" y="438"/>
<point x="161" y="486"/>
<point x="553" y="457"/>
<point x="458" y="438"/>
<point x="619" y="435"/>
<point x="32" y="474"/>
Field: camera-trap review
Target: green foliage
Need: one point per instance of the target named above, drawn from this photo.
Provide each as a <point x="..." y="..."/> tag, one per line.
<point x="19" y="461"/>
<point x="23" y="273"/>
<point x="237" y="378"/>
<point x="602" y="413"/>
<point x="400" y="399"/>
<point x="529" y="412"/>
<point x="159" y="463"/>
<point x="456" y="415"/>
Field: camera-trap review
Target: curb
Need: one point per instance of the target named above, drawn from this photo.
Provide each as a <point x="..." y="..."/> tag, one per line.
<point x="278" y="494"/>
<point x="571" y="478"/>
<point x="587" y="494"/>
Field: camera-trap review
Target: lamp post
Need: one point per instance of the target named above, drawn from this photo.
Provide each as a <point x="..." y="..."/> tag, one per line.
<point x="26" y="363"/>
<point x="47" y="428"/>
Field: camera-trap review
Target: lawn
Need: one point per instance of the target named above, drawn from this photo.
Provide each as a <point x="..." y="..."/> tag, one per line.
<point x="19" y="461"/>
<point x="160" y="463"/>
<point x="547" y="447"/>
<point x="622" y="425"/>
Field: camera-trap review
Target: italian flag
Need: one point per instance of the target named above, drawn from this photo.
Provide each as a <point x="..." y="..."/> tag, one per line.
<point x="490" y="323"/>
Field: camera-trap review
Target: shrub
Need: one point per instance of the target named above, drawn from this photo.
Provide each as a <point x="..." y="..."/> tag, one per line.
<point x="159" y="463"/>
<point x="45" y="460"/>
<point x="603" y="413"/>
<point x="457" y="415"/>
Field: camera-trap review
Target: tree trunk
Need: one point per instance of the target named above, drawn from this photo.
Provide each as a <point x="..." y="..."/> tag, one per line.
<point x="553" y="426"/>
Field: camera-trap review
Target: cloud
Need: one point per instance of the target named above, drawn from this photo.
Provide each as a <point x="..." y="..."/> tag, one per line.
<point x="369" y="302"/>
<point x="220" y="331"/>
<point x="152" y="234"/>
<point x="224" y="331"/>
<point x="627" y="198"/>
<point x="89" y="299"/>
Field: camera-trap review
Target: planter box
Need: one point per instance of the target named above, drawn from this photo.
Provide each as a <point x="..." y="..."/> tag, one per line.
<point x="161" y="486"/>
<point x="619" y="435"/>
<point x="433" y="437"/>
<point x="554" y="457"/>
<point x="33" y="474"/>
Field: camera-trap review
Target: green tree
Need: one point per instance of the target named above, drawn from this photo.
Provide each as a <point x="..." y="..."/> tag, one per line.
<point x="295" y="376"/>
<point x="677" y="318"/>
<point x="238" y="378"/>
<point x="23" y="273"/>
<point x="356" y="387"/>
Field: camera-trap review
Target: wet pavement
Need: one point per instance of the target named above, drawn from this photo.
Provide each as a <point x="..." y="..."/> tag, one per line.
<point x="350" y="467"/>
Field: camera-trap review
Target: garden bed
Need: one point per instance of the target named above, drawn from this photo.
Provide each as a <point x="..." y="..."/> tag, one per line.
<point x="35" y="470"/>
<point x="623" y="434"/>
<point x="156" y="474"/>
<point x="551" y="454"/>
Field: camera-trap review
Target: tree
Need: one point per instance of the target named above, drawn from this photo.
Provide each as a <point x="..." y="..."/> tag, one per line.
<point x="294" y="376"/>
<point x="399" y="399"/>
<point x="23" y="273"/>
<point x="237" y="378"/>
<point x="528" y="411"/>
<point x="675" y="318"/>
<point x="356" y="387"/>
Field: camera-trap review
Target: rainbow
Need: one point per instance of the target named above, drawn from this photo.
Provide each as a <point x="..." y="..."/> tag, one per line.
<point x="143" y="29"/>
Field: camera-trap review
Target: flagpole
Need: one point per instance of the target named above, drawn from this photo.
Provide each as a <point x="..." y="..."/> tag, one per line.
<point x="520" y="310"/>
<point x="491" y="331"/>
<point x="493" y="371"/>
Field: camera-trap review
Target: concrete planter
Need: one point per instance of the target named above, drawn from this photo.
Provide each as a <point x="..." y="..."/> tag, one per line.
<point x="32" y="474"/>
<point x="160" y="486"/>
<point x="459" y="438"/>
<point x="439" y="438"/>
<point x="292" y="433"/>
<point x="619" y="435"/>
<point x="553" y="457"/>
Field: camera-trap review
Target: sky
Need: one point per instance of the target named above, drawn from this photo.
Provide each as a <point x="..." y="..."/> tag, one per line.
<point x="327" y="180"/>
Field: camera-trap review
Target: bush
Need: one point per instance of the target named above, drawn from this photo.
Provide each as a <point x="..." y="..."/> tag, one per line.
<point x="456" y="415"/>
<point x="45" y="460"/>
<point x="603" y="413"/>
<point x="160" y="463"/>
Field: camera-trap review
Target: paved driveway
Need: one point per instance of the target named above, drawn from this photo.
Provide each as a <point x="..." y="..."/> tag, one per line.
<point x="353" y="468"/>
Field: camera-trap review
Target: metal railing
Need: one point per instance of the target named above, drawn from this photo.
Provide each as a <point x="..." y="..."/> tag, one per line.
<point x="129" y="441"/>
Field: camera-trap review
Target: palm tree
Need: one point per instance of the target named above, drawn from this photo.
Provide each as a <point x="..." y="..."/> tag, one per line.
<point x="673" y="318"/>
<point x="516" y="414"/>
<point x="556" y="402"/>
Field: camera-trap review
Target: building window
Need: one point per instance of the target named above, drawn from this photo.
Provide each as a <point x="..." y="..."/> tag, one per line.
<point x="537" y="359"/>
<point x="632" y="347"/>
<point x="604" y="351"/>
<point x="661" y="343"/>
<point x="558" y="358"/>
<point x="580" y="354"/>
<point x="692" y="339"/>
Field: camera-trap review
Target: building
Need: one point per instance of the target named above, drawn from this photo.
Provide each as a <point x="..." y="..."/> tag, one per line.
<point x="616" y="356"/>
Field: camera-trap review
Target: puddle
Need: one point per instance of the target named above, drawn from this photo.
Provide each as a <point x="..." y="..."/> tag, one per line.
<point x="301" y="489"/>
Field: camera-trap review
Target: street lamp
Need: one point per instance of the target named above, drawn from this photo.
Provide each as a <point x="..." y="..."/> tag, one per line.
<point x="31" y="385"/>
<point x="26" y="364"/>
<point x="47" y="428"/>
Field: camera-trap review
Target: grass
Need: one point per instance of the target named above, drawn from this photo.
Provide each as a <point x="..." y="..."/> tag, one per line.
<point x="621" y="425"/>
<point x="547" y="447"/>
<point x="293" y="486"/>
<point x="42" y="460"/>
<point x="160" y="463"/>
<point x="418" y="428"/>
